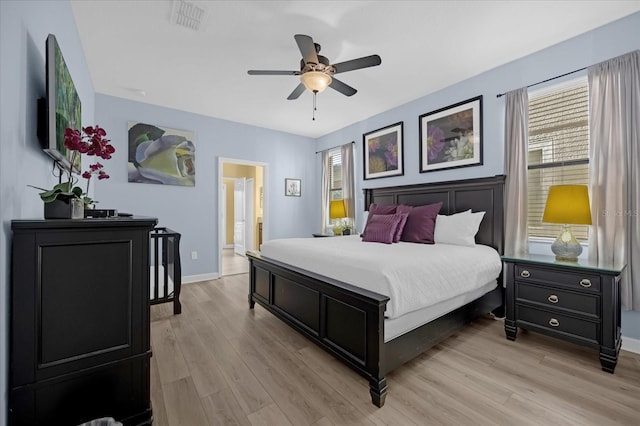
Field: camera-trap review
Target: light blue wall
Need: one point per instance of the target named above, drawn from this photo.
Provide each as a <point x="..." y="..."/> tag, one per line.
<point x="193" y="211"/>
<point x="596" y="46"/>
<point x="24" y="26"/>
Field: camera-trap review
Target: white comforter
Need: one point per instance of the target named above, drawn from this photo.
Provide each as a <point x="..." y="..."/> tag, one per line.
<point x="412" y="275"/>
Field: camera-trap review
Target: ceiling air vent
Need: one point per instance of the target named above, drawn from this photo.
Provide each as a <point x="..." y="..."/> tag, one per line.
<point x="189" y="14"/>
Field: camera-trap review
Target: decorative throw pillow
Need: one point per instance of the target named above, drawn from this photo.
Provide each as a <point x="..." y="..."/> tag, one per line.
<point x="381" y="228"/>
<point x="459" y="229"/>
<point x="401" y="225"/>
<point x="421" y="223"/>
<point x="377" y="209"/>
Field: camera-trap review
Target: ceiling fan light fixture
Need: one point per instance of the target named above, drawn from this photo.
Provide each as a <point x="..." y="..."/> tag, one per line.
<point x="315" y="81"/>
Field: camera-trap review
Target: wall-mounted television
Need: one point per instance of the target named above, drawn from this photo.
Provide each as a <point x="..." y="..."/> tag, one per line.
<point x="60" y="109"/>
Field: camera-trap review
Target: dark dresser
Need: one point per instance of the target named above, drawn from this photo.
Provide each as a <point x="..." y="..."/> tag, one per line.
<point x="79" y="321"/>
<point x="574" y="301"/>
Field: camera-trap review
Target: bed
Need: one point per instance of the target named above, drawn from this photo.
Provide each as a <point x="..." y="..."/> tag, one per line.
<point x="349" y="321"/>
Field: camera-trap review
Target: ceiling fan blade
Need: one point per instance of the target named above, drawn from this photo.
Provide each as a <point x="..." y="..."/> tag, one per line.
<point x="307" y="48"/>
<point x="267" y="72"/>
<point x="356" y="64"/>
<point x="296" y="92"/>
<point x="343" y="88"/>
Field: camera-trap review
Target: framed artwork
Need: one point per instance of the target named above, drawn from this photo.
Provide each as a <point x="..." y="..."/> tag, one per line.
<point x="383" y="152"/>
<point x="161" y="155"/>
<point x="452" y="137"/>
<point x="292" y="187"/>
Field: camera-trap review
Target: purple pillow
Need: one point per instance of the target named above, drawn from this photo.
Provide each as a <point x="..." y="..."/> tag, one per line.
<point x="401" y="224"/>
<point x="375" y="209"/>
<point x="421" y="223"/>
<point x="381" y="228"/>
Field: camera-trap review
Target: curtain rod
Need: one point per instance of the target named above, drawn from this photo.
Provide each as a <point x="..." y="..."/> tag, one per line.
<point x="334" y="147"/>
<point x="549" y="79"/>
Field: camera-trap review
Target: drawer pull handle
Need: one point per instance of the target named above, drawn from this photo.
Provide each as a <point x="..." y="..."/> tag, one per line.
<point x="554" y="322"/>
<point x="585" y="283"/>
<point x="553" y="298"/>
<point x="525" y="274"/>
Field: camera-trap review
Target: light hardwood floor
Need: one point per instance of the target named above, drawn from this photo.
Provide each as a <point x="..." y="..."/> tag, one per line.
<point x="219" y="363"/>
<point x="233" y="264"/>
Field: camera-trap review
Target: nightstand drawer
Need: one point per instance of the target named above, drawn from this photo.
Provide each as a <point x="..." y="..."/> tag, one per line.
<point x="574" y="280"/>
<point x="555" y="322"/>
<point x="579" y="302"/>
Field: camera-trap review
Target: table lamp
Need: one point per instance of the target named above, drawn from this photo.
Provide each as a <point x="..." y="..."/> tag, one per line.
<point x="337" y="210"/>
<point x="567" y="204"/>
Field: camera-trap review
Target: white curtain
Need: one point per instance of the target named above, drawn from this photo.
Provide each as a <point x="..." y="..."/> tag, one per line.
<point x="348" y="191"/>
<point x="516" y="136"/>
<point x="325" y="190"/>
<point x="614" y="169"/>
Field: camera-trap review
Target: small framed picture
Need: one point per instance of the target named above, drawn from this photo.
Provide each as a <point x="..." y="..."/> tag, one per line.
<point x="292" y="187"/>
<point x="451" y="137"/>
<point x="383" y="152"/>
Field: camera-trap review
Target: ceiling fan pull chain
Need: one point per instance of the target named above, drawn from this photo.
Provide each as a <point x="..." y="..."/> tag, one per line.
<point x="314" y="104"/>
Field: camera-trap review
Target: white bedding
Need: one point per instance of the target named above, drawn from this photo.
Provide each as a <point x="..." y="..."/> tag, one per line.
<point x="412" y="275"/>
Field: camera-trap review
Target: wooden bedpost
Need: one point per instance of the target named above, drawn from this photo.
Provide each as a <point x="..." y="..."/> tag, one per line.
<point x="378" y="391"/>
<point x="251" y="284"/>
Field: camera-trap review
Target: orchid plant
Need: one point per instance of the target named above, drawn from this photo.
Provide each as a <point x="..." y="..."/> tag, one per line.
<point x="91" y="141"/>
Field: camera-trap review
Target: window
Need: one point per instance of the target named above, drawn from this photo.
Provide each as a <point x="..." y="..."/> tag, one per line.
<point x="558" y="150"/>
<point x="335" y="174"/>
<point x="335" y="178"/>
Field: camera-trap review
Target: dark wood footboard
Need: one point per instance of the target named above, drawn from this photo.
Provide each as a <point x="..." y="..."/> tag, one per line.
<point x="346" y="321"/>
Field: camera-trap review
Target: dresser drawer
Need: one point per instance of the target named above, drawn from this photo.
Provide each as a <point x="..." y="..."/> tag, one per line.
<point x="573" y="280"/>
<point x="558" y="323"/>
<point x="585" y="303"/>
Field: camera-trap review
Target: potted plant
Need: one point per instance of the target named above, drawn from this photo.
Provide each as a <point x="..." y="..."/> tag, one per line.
<point x="346" y="228"/>
<point x="65" y="200"/>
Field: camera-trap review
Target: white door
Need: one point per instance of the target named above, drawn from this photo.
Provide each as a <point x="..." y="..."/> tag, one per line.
<point x="249" y="197"/>
<point x="223" y="216"/>
<point x="239" y="217"/>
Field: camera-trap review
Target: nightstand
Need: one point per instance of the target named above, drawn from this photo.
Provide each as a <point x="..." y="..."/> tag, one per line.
<point x="574" y="301"/>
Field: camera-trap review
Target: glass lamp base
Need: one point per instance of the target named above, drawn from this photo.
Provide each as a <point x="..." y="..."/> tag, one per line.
<point x="566" y="247"/>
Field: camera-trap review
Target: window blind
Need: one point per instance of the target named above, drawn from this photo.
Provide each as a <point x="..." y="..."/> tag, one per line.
<point x="335" y="174"/>
<point x="558" y="150"/>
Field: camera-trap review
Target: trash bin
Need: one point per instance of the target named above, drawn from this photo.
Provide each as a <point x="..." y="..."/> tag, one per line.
<point x="105" y="421"/>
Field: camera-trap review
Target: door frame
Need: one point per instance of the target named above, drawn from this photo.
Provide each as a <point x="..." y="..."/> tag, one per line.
<point x="221" y="202"/>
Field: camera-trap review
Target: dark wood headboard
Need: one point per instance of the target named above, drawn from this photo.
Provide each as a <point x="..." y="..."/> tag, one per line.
<point x="482" y="194"/>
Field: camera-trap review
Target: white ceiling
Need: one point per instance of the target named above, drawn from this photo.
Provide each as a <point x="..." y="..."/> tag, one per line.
<point x="134" y="51"/>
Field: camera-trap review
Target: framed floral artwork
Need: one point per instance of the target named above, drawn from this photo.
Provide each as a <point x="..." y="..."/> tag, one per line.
<point x="161" y="155"/>
<point x="292" y="187"/>
<point x="383" y="152"/>
<point x="451" y="137"/>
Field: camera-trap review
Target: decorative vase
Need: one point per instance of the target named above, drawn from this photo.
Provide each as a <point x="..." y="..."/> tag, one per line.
<point x="64" y="208"/>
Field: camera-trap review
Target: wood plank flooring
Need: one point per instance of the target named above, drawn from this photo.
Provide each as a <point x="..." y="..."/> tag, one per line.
<point x="219" y="363"/>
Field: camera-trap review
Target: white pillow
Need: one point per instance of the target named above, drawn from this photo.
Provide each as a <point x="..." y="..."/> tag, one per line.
<point x="459" y="229"/>
<point x="365" y="216"/>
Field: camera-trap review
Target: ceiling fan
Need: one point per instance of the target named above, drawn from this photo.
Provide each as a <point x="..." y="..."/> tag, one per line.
<point x="316" y="72"/>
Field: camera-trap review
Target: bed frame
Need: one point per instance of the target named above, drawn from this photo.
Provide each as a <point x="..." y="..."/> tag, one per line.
<point x="348" y="321"/>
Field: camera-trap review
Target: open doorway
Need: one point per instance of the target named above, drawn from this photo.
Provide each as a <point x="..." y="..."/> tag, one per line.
<point x="242" y="213"/>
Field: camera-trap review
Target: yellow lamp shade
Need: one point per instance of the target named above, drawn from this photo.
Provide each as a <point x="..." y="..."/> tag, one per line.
<point x="568" y="204"/>
<point x="337" y="209"/>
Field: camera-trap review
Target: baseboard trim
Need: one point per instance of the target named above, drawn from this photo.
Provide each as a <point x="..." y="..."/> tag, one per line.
<point x="197" y="278"/>
<point x="631" y="345"/>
